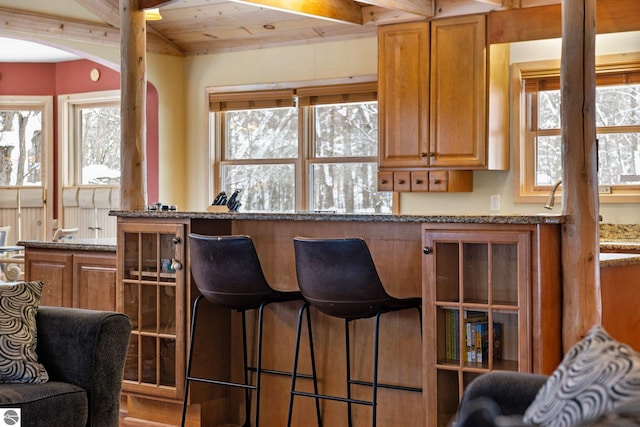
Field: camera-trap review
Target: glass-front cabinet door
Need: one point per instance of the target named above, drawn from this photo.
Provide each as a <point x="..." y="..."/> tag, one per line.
<point x="151" y="292"/>
<point x="476" y="290"/>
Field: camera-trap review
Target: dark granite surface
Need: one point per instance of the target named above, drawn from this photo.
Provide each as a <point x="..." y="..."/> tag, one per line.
<point x="95" y="245"/>
<point x="312" y="216"/>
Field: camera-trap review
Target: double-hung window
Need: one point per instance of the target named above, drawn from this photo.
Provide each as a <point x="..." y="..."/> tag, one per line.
<point x="91" y="136"/>
<point x="308" y="149"/>
<point x="617" y="111"/>
<point x="26" y="150"/>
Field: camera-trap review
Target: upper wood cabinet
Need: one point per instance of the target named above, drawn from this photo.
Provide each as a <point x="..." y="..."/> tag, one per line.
<point x="403" y="94"/>
<point x="458" y="92"/>
<point x="443" y="96"/>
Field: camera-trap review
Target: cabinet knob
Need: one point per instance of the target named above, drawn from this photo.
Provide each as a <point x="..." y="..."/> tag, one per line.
<point x="423" y="154"/>
<point x="432" y="154"/>
<point x="418" y="181"/>
<point x="401" y="181"/>
<point x="383" y="181"/>
<point x="427" y="250"/>
<point x="176" y="240"/>
<point x="176" y="265"/>
<point x="437" y="181"/>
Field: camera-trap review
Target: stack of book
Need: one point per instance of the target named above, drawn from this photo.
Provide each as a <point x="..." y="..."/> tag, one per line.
<point x="475" y="332"/>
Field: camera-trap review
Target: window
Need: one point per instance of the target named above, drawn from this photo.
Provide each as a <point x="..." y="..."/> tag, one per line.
<point x="314" y="148"/>
<point x="90" y="162"/>
<point x="617" y="132"/>
<point x="21" y="132"/>
<point x="26" y="148"/>
<point x="92" y="134"/>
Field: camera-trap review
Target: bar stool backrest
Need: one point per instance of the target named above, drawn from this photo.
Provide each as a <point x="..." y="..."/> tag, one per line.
<point x="339" y="277"/>
<point x="227" y="271"/>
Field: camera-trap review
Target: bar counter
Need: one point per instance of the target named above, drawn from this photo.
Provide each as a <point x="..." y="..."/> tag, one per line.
<point x="397" y="245"/>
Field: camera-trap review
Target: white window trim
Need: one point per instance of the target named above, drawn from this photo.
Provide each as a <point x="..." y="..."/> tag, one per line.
<point x="66" y="151"/>
<point x="46" y="103"/>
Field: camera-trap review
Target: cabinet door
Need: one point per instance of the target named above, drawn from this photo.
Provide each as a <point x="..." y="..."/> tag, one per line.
<point x="477" y="309"/>
<point x="458" y="92"/>
<point x="94" y="278"/>
<point x="403" y="94"/>
<point x="151" y="289"/>
<point x="55" y="271"/>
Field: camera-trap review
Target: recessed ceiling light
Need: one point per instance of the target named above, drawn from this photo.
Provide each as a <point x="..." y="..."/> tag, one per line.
<point x="269" y="27"/>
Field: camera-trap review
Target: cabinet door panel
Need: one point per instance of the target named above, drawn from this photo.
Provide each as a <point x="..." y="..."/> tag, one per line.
<point x="403" y="94"/>
<point x="95" y="281"/>
<point x="151" y="291"/>
<point x="458" y="92"/>
<point x="477" y="291"/>
<point x="54" y="270"/>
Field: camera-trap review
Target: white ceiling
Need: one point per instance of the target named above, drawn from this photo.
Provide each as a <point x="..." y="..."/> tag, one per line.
<point x="15" y="50"/>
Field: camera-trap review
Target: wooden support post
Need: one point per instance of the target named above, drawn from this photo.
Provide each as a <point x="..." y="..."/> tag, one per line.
<point x="580" y="235"/>
<point x="133" y="95"/>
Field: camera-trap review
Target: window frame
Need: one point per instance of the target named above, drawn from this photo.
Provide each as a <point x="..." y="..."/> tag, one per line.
<point x="306" y="96"/>
<point x="525" y="190"/>
<point x="68" y="159"/>
<point x="46" y="105"/>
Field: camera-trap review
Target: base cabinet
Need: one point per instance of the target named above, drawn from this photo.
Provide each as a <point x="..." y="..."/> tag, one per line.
<point x="83" y="279"/>
<point x="484" y="298"/>
<point x="151" y="292"/>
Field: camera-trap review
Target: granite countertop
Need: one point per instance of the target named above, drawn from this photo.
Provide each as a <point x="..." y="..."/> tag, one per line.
<point x="618" y="259"/>
<point x="104" y="244"/>
<point x="323" y="216"/>
<point x="620" y="246"/>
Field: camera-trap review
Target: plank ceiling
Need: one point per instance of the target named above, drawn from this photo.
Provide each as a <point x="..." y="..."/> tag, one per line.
<point x="197" y="27"/>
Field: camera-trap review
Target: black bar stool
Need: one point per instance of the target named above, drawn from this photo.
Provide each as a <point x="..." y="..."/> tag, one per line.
<point x="227" y="272"/>
<point x="338" y="278"/>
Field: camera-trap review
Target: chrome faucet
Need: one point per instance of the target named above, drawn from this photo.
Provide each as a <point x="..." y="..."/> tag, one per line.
<point x="551" y="200"/>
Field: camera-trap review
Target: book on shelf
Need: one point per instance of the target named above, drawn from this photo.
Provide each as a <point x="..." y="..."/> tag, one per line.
<point x="452" y="335"/>
<point x="476" y="329"/>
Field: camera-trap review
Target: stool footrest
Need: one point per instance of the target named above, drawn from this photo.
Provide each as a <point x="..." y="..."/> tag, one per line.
<point x="220" y="382"/>
<point x="277" y="372"/>
<point x="336" y="398"/>
<point x="390" y="386"/>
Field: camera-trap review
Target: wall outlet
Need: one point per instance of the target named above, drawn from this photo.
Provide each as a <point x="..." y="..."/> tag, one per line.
<point x="604" y="189"/>
<point x="494" y="202"/>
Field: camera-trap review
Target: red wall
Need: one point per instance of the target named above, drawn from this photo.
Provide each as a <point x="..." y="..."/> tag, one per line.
<point x="71" y="77"/>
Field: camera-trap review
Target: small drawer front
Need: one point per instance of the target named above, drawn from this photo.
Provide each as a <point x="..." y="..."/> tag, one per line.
<point x="420" y="181"/>
<point x="438" y="180"/>
<point x="385" y="181"/>
<point x="401" y="181"/>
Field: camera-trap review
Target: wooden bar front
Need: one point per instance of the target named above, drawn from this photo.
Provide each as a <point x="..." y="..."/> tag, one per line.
<point x="396" y="244"/>
<point x="396" y="251"/>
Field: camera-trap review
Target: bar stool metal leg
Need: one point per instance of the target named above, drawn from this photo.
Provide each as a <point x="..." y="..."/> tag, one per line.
<point x="189" y="359"/>
<point x="374" y="403"/>
<point x="294" y="372"/>
<point x="348" y="357"/>
<point x="258" y="364"/>
<point x="245" y="362"/>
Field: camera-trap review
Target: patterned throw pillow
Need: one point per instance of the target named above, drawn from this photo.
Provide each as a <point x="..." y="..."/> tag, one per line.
<point x="18" y="339"/>
<point x="598" y="374"/>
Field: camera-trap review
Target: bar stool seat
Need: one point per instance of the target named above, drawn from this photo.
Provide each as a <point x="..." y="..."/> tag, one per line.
<point x="227" y="272"/>
<point x="338" y="277"/>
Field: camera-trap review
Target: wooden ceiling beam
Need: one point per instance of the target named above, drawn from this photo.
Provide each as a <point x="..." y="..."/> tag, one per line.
<point x="107" y="10"/>
<point x="146" y="4"/>
<point x="335" y="10"/>
<point x="424" y="8"/>
<point x="32" y="25"/>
